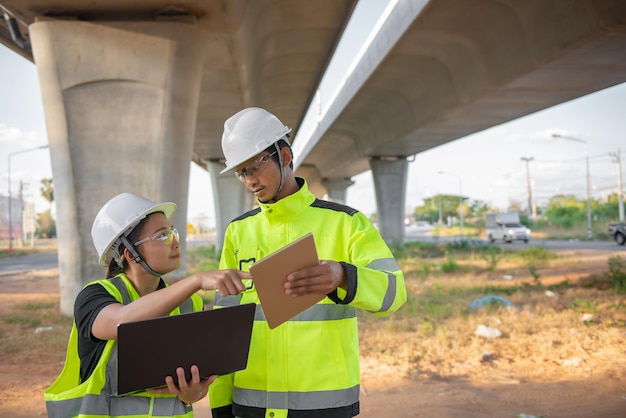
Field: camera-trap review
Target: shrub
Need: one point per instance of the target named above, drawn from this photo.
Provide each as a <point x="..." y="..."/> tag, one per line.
<point x="617" y="273"/>
<point x="536" y="258"/>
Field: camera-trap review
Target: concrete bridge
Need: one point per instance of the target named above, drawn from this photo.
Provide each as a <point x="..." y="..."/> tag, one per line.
<point x="134" y="91"/>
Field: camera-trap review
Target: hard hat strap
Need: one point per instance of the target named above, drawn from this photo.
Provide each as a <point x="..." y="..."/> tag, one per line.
<point x="137" y="258"/>
<point x="282" y="172"/>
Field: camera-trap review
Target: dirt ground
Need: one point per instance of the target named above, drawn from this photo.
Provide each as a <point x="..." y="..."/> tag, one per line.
<point x="387" y="391"/>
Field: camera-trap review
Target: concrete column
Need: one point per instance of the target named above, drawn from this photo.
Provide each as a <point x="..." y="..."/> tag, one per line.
<point x="390" y="186"/>
<point x="337" y="189"/>
<point x="120" y="101"/>
<point x="231" y="199"/>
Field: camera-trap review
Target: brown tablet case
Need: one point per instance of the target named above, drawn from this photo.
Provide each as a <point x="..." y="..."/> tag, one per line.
<point x="270" y="274"/>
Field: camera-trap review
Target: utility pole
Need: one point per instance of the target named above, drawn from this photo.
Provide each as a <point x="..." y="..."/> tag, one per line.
<point x="21" y="212"/>
<point x="620" y="193"/>
<point x="440" y="211"/>
<point x="531" y="207"/>
<point x="10" y="208"/>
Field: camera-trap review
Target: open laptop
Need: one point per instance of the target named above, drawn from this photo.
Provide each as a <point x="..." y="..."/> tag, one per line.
<point x="269" y="277"/>
<point x="217" y="341"/>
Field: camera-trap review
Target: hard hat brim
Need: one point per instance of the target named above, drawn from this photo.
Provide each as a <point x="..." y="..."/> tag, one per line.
<point x="234" y="165"/>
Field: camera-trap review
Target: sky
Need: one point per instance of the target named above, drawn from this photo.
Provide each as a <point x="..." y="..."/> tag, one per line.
<point x="484" y="166"/>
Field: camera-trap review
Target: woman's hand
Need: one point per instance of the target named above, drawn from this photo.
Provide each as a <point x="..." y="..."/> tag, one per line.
<point x="188" y="392"/>
<point x="227" y="282"/>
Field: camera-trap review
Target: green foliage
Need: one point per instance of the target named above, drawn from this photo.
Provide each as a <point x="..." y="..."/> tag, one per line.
<point x="565" y="211"/>
<point x="583" y="306"/>
<point x="36" y="306"/>
<point x="47" y="190"/>
<point x="478" y="208"/>
<point x="202" y="258"/>
<point x="536" y="258"/>
<point x="418" y="249"/>
<point x="492" y="254"/>
<point x="449" y="266"/>
<point x="442" y="206"/>
<point x="24" y="320"/>
<point x="459" y="247"/>
<point x="46" y="225"/>
<point x="617" y="273"/>
<point x="565" y="216"/>
<point x="208" y="297"/>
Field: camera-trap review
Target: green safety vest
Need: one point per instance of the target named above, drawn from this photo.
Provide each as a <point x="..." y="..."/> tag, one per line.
<point x="310" y="362"/>
<point x="97" y="396"/>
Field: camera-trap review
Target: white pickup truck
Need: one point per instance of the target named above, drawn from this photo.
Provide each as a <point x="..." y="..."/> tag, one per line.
<point x="505" y="226"/>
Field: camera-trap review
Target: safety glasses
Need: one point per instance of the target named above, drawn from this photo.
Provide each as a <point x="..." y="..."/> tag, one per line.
<point x="165" y="237"/>
<point x="253" y="169"/>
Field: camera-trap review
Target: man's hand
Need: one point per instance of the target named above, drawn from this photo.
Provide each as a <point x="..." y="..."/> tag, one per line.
<point x="322" y="279"/>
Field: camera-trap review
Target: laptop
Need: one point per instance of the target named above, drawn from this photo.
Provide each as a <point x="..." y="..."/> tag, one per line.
<point x="269" y="277"/>
<point x="217" y="341"/>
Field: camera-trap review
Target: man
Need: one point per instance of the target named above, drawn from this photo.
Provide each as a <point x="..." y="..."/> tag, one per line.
<point x="309" y="365"/>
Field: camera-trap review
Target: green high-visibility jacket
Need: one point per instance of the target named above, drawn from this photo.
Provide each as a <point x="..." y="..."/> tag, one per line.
<point x="97" y="396"/>
<point x="309" y="365"/>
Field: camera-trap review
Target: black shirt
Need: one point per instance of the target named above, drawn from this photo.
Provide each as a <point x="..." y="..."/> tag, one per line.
<point x="89" y="302"/>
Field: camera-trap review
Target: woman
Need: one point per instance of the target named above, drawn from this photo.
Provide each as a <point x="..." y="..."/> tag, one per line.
<point x="135" y="239"/>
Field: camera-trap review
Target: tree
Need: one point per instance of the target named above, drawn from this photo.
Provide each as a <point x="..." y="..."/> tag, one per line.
<point x="47" y="191"/>
<point x="46" y="226"/>
<point x="565" y="211"/>
<point x="478" y="208"/>
<point x="442" y="204"/>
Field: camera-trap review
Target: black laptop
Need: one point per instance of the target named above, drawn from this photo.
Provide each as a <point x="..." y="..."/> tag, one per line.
<point x="217" y="341"/>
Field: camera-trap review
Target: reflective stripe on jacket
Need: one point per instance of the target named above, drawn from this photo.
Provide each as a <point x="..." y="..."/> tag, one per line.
<point x="97" y="396"/>
<point x="311" y="362"/>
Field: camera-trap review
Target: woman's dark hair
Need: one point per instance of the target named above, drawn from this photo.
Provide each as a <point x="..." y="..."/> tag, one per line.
<point x="281" y="144"/>
<point x="113" y="269"/>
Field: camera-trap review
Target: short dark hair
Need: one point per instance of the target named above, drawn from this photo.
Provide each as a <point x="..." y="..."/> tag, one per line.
<point x="282" y="143"/>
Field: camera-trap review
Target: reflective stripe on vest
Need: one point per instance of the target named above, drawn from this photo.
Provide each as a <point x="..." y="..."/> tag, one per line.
<point x="296" y="400"/>
<point x="318" y="312"/>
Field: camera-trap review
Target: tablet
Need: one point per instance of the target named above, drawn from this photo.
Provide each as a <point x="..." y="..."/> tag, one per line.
<point x="270" y="274"/>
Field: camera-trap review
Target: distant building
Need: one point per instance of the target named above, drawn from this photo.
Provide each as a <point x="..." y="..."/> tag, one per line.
<point x="16" y="218"/>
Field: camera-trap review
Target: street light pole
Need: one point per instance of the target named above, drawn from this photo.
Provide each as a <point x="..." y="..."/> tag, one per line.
<point x="10" y="209"/>
<point x="620" y="192"/>
<point x="531" y="212"/>
<point x="460" y="201"/>
<point x="589" y="231"/>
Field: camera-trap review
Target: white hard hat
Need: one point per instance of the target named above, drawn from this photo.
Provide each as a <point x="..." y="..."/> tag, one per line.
<point x="247" y="133"/>
<point x="118" y="217"/>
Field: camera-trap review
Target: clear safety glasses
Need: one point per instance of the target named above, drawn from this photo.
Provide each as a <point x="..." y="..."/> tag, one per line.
<point x="165" y="237"/>
<point x="253" y="169"/>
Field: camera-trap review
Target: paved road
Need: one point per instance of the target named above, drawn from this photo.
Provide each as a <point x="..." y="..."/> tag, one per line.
<point x="519" y="245"/>
<point x="46" y="260"/>
<point x="414" y="234"/>
<point x="21" y="264"/>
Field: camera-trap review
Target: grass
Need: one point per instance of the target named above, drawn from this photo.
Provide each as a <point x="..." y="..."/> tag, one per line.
<point x="433" y="334"/>
<point x="32" y="328"/>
